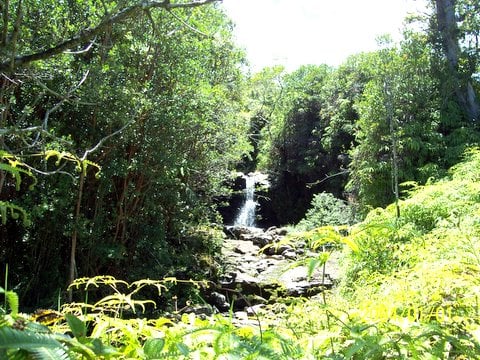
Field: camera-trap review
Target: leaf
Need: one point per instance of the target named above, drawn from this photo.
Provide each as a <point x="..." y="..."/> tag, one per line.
<point x="12" y="300"/>
<point x="49" y="354"/>
<point x="153" y="348"/>
<point x="102" y="350"/>
<point x="40" y="345"/>
<point x="314" y="263"/>
<point x="77" y="326"/>
<point x="351" y="244"/>
<point x="183" y="349"/>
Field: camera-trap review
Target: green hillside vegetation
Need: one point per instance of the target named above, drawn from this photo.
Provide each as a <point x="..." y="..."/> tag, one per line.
<point x="410" y="289"/>
<point x="122" y="127"/>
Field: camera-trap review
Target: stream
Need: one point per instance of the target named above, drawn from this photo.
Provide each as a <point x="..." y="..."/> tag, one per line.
<point x="258" y="268"/>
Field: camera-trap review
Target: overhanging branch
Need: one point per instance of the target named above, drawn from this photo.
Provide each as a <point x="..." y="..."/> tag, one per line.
<point x="86" y="35"/>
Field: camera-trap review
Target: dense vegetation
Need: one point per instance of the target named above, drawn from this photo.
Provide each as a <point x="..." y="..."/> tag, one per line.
<point x="410" y="291"/>
<point x="120" y="124"/>
<point x="153" y="100"/>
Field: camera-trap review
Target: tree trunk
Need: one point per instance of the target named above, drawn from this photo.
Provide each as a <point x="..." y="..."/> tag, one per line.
<point x="73" y="249"/>
<point x="448" y="29"/>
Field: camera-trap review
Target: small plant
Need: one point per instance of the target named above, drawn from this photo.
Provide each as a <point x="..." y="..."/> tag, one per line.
<point x="325" y="209"/>
<point x="99" y="331"/>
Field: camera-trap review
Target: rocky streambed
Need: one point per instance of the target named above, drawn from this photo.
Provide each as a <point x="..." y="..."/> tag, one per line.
<point x="259" y="269"/>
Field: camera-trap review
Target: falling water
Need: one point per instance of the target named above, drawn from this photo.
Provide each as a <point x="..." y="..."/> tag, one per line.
<point x="246" y="214"/>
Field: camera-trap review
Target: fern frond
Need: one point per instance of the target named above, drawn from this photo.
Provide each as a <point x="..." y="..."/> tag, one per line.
<point x="15" y="355"/>
<point x="17" y="172"/>
<point x="49" y="354"/>
<point x="12" y="301"/>
<point x="120" y="300"/>
<point x="86" y="163"/>
<point x="138" y="285"/>
<point x="31" y="342"/>
<point x="81" y="165"/>
<point x="97" y="281"/>
<point x="15" y="212"/>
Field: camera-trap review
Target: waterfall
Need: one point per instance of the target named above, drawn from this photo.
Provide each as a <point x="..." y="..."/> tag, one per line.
<point x="246" y="214"/>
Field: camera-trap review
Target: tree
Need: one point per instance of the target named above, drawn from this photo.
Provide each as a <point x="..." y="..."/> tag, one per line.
<point x="461" y="63"/>
<point x="397" y="132"/>
<point x="171" y="82"/>
<point x="13" y="57"/>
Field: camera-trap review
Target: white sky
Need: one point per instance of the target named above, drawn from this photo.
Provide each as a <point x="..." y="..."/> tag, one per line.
<point x="297" y="32"/>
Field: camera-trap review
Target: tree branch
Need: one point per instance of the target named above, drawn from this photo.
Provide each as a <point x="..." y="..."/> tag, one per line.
<point x="85" y="35"/>
<point x="187" y="25"/>
<point x="102" y="141"/>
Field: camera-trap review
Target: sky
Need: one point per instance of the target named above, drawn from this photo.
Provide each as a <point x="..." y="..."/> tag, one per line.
<point x="298" y="32"/>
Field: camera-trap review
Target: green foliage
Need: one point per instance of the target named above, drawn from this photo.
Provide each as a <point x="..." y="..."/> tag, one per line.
<point x="187" y="337"/>
<point x="11" y="300"/>
<point x="397" y="132"/>
<point x="16" y="168"/>
<point x="40" y="346"/>
<point x="326" y="210"/>
<point x="410" y="285"/>
<point x="302" y="143"/>
<point x="171" y="82"/>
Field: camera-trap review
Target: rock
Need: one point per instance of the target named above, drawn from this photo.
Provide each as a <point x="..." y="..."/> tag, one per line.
<point x="254" y="310"/>
<point x="289" y="254"/>
<point x="198" y="310"/>
<point x="256" y="300"/>
<point x="238" y="231"/>
<point x="241" y="315"/>
<point x="252" y="277"/>
<point x="219" y="301"/>
<point x="297" y="283"/>
<point x="277" y="231"/>
<point x="262" y="240"/>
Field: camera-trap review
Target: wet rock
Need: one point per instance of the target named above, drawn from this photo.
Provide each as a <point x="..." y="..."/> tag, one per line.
<point x="237" y="231"/>
<point x="277" y="231"/>
<point x="219" y="301"/>
<point x="251" y="274"/>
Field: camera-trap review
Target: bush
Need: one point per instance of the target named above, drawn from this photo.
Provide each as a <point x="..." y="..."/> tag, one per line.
<point x="326" y="209"/>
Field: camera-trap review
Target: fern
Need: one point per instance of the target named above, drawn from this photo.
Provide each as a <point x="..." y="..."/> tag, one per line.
<point x="12" y="301"/>
<point x="81" y="165"/>
<point x="15" y="213"/>
<point x="17" y="169"/>
<point x="49" y="354"/>
<point x="41" y="346"/>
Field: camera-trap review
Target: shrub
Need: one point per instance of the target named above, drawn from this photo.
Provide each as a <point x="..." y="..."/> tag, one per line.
<point x="326" y="209"/>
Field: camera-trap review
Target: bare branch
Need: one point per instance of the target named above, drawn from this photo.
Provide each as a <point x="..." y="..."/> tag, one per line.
<point x="87" y="49"/>
<point x="327" y="177"/>
<point x="154" y="26"/>
<point x="49" y="173"/>
<point x="86" y="35"/>
<point x="102" y="141"/>
<point x="15" y="130"/>
<point x="9" y="79"/>
<point x="66" y="97"/>
<point x="187" y="25"/>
